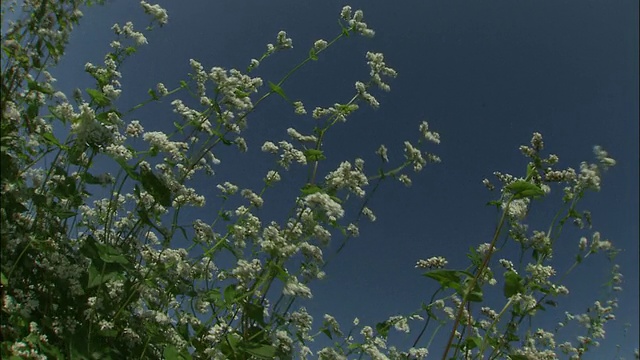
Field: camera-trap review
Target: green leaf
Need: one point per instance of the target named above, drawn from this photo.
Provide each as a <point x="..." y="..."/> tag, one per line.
<point x="278" y="90"/>
<point x="309" y="189"/>
<point x="96" y="278"/>
<point x="518" y="357"/>
<point x="230" y="294"/>
<point x="327" y="332"/>
<point x="90" y="178"/>
<point x="345" y="31"/>
<point x="531" y="169"/>
<point x="35" y="86"/>
<point x="213" y="296"/>
<point x="255" y="312"/>
<point x="262" y="351"/>
<point x="472" y="342"/>
<point x="314" y="155"/>
<point x="155" y="187"/>
<point x="383" y="328"/>
<point x="110" y="254"/>
<point x="3" y="280"/>
<point x="474" y="295"/>
<point x="98" y="97"/>
<point x="513" y="284"/>
<point x="446" y="278"/>
<point x="51" y="139"/>
<point x="524" y="189"/>
<point x="153" y="94"/>
<point x="313" y="55"/>
<point x="171" y="353"/>
<point x="64" y="214"/>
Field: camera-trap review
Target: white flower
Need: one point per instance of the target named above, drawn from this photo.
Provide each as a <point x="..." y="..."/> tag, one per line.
<point x="517" y="208"/>
<point x="324" y="202"/>
<point x="431" y="136"/>
<point x="283" y="42"/>
<point x="294" y="288"/>
<point x="270" y="147"/>
<point x="320" y="45"/>
<point x="299" y="108"/>
<point x="436" y="262"/>
<point x="272" y="177"/>
<point x="302" y="138"/>
<point x="405" y="180"/>
<point x="156" y="11"/>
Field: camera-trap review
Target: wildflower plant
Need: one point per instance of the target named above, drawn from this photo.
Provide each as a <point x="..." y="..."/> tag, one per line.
<point x="85" y="276"/>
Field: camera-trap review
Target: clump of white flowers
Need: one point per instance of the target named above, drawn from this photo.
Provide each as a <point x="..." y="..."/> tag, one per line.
<point x="156" y="11"/>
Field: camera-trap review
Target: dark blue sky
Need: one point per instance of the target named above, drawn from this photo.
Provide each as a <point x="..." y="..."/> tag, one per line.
<point x="485" y="74"/>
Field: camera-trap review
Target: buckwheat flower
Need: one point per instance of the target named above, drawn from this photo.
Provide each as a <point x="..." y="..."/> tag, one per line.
<point x="299" y="108"/>
<point x="356" y="321"/>
<point x="379" y="67"/>
<point x="435" y="262"/>
<point x="283" y="341"/>
<point x="156" y="11"/>
<point x="246" y="271"/>
<point x="507" y="264"/>
<point x="111" y="92"/>
<point x="400" y="323"/>
<point x="319" y="45"/>
<point x="283" y="42"/>
<point x="382" y="152"/>
<point x="228" y="188"/>
<point x="589" y="177"/>
<point x="302" y="138"/>
<point x="369" y="99"/>
<point x="241" y="143"/>
<point x="325" y="202"/>
<point x="484" y="248"/>
<point x="536" y="142"/>
<point x="353" y="230"/>
<point x="332" y="323"/>
<point x="290" y="154"/>
<point x="105" y="325"/>
<point x="138" y="37"/>
<point x="269" y="147"/>
<point x="518" y="208"/>
<point x="405" y="180"/>
<point x="294" y="288"/>
<point x="345" y="14"/>
<point x="430" y="136"/>
<point x="119" y="152"/>
<point x="356" y="23"/>
<point x="414" y="156"/>
<point x="603" y="157"/>
<point x="369" y="214"/>
<point x="161" y="89"/>
<point x="322" y="234"/>
<point x="270" y="48"/>
<point x="253" y="198"/>
<point x="11" y="112"/>
<point x="272" y="177"/>
<point x="419" y="353"/>
<point x="559" y="289"/>
<point x="254" y="63"/>
<point x="347" y="177"/>
<point x="540" y="274"/>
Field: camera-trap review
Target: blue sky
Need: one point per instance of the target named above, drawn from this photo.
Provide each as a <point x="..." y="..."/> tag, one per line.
<point x="485" y="74"/>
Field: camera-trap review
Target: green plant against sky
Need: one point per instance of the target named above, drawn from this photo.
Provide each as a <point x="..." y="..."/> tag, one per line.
<point x="91" y="277"/>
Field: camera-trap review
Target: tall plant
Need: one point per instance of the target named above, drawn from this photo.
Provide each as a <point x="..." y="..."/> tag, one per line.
<point x="90" y="277"/>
